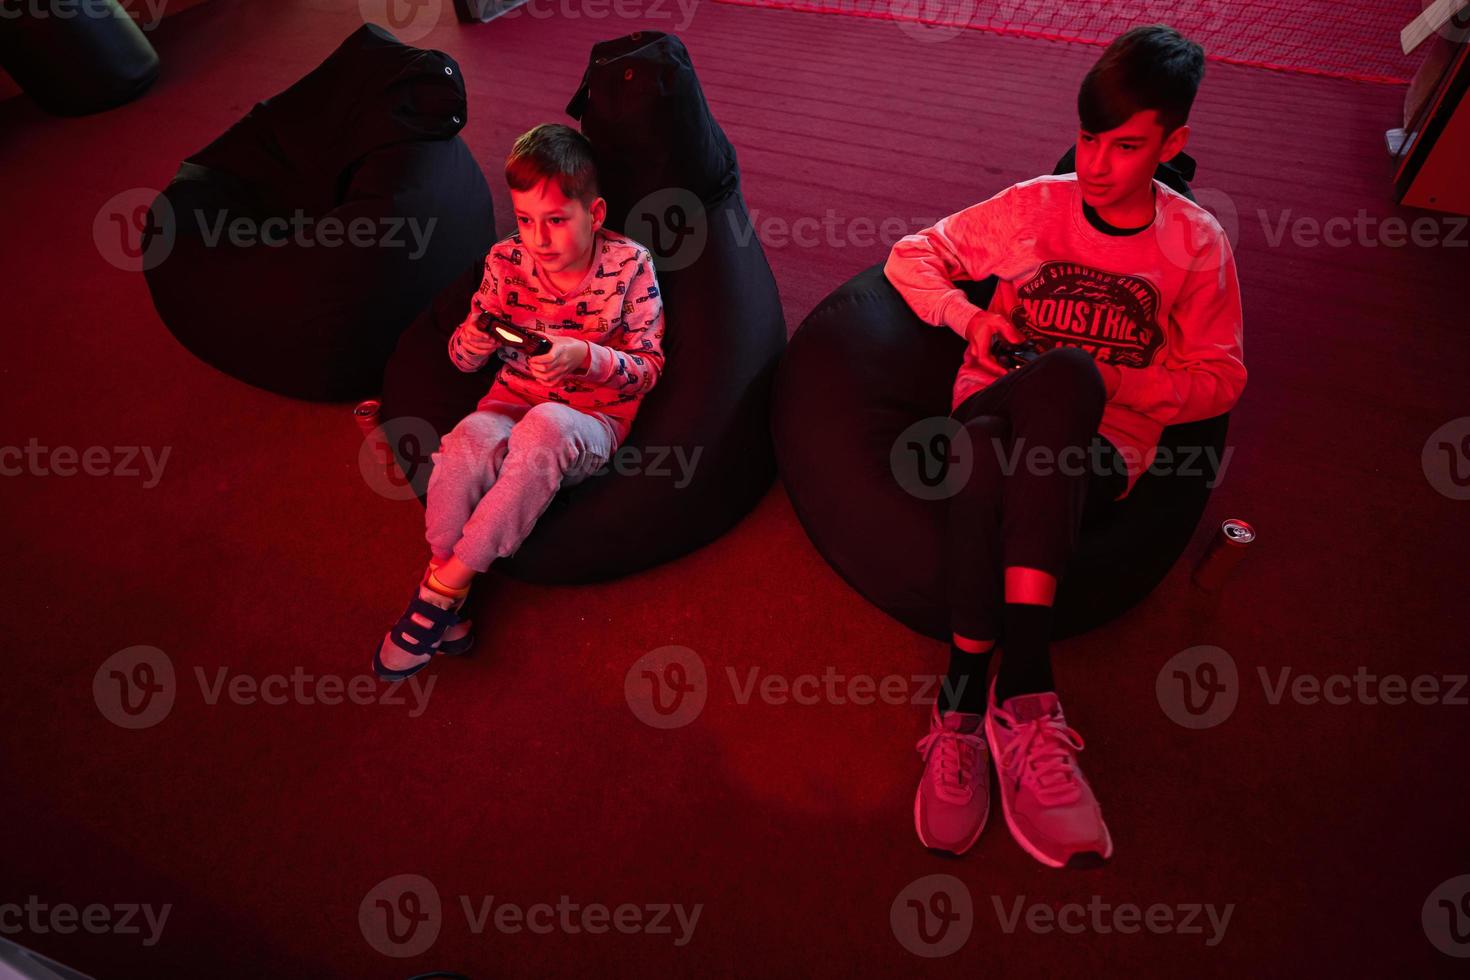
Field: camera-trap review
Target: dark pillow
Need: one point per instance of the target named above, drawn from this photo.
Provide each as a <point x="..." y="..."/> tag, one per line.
<point x="369" y="137"/>
<point x="77" y="61"/>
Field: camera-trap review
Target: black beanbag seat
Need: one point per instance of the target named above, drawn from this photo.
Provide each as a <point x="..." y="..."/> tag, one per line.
<point x="860" y="370"/>
<point x="672" y="183"/>
<point x="82" y="60"/>
<point x="359" y="204"/>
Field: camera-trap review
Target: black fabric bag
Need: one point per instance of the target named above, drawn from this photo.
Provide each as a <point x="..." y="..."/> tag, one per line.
<point x="78" y="61"/>
<point x="368" y="137"/>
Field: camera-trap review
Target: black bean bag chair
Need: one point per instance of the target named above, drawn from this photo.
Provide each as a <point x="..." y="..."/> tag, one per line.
<point x="672" y="183"/>
<point x="859" y="371"/>
<point x="359" y="204"/>
<point x="76" y="61"/>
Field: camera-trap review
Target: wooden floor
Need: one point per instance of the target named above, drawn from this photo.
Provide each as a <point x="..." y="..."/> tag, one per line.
<point x="1354" y="39"/>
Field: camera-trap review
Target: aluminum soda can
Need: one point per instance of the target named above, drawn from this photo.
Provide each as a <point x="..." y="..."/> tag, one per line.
<point x="1224" y="552"/>
<point x="366" y="415"/>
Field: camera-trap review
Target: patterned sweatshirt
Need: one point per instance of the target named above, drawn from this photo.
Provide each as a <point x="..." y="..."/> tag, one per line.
<point x="1162" y="304"/>
<point x="616" y="309"/>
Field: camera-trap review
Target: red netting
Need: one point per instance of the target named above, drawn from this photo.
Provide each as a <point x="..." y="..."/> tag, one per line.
<point x="1356" y="39"/>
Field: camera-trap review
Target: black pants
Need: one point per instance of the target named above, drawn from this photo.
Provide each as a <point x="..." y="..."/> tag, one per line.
<point x="1025" y="499"/>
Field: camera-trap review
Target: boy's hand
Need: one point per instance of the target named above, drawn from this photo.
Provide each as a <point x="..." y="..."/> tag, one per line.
<point x="982" y="326"/>
<point x="567" y="354"/>
<point x="476" y="341"/>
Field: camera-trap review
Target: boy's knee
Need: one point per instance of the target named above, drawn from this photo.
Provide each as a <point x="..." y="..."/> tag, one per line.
<point x="1074" y="369"/>
<point x="544" y="436"/>
<point x="989" y="438"/>
<point x="473" y="442"/>
<point x="548" y="425"/>
<point x="479" y="428"/>
<point x="987" y="427"/>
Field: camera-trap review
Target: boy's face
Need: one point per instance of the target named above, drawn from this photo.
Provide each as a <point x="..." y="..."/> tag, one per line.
<point x="557" y="229"/>
<point x="1115" y="166"/>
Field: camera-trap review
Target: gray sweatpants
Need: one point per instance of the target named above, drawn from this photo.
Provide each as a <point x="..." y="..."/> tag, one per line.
<point x="497" y="471"/>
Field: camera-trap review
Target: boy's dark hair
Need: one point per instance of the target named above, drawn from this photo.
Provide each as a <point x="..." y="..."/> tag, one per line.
<point x="555" y="152"/>
<point x="1150" y="67"/>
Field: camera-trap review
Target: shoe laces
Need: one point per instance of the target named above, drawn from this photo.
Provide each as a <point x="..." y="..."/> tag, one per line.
<point x="1043" y="755"/>
<point x="958" y="756"/>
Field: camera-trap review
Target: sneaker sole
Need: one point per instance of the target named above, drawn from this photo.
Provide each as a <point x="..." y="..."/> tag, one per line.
<point x="457" y="648"/>
<point x="1086" y="861"/>
<point x="1077" y="859"/>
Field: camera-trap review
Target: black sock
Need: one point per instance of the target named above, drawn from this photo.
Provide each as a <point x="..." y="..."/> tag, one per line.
<point x="964" y="687"/>
<point x="1025" y="666"/>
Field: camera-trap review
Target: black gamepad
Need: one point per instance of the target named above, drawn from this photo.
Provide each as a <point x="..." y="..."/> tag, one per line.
<point x="528" y="342"/>
<point x="1012" y="356"/>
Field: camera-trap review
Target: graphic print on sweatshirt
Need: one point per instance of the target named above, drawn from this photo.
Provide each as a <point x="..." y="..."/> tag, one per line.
<point x="1162" y="305"/>
<point x="617" y="309"/>
<point x="1111" y="315"/>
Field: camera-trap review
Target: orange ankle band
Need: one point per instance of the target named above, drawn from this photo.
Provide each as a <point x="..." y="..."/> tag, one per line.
<point x="443" y="589"/>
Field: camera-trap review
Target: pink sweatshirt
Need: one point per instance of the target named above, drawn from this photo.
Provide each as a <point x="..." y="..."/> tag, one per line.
<point x="616" y="309"/>
<point x="1162" y="304"/>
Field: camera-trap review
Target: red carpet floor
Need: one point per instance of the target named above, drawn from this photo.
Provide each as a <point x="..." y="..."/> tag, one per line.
<point x="261" y="551"/>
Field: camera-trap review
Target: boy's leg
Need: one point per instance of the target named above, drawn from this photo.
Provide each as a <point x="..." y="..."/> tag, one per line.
<point x="1002" y="582"/>
<point x="953" y="799"/>
<point x="1055" y="415"/>
<point x="1055" y="405"/>
<point x="973" y="563"/>
<point x="551" y="444"/>
<point x="465" y="467"/>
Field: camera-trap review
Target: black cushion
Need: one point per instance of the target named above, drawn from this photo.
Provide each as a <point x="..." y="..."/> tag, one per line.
<point x="369" y="139"/>
<point x="859" y="371"/>
<point x="79" y="59"/>
<point x="672" y="183"/>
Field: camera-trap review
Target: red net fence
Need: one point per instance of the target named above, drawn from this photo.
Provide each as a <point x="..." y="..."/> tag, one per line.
<point x="1357" y="39"/>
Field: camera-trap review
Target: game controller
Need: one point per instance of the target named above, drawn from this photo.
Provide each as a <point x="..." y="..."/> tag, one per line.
<point x="1012" y="356"/>
<point x="528" y="342"/>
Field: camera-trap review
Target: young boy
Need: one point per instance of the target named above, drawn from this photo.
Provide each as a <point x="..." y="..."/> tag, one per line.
<point x="549" y="420"/>
<point x="1129" y="291"/>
